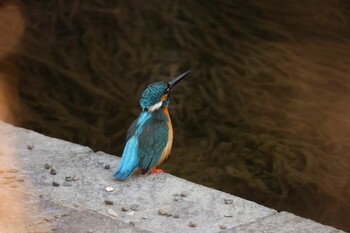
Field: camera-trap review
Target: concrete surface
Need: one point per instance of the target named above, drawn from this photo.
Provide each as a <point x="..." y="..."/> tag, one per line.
<point x="29" y="202"/>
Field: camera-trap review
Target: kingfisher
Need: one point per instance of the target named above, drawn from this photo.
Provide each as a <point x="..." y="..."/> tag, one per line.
<point x="150" y="137"/>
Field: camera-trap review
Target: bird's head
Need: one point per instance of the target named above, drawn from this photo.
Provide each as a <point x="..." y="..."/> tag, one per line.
<point x="156" y="95"/>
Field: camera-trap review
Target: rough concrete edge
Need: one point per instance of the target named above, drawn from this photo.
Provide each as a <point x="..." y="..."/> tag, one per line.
<point x="89" y="152"/>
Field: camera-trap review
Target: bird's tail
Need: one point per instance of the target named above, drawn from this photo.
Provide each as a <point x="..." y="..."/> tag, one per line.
<point x="129" y="160"/>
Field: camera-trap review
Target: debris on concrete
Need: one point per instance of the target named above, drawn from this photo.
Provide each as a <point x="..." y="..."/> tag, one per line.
<point x="131" y="223"/>
<point x="109" y="189"/>
<point x="184" y="194"/>
<point x="47" y="166"/>
<point x="192" y="224"/>
<point x="55" y="183"/>
<point x="109" y="202"/>
<point x="130" y="213"/>
<point x="49" y="218"/>
<point x="228" y="201"/>
<point x="162" y="212"/>
<point x="21" y="180"/>
<point x="125" y="209"/>
<point x="112" y="213"/>
<point x="53" y="172"/>
<point x="135" y="207"/>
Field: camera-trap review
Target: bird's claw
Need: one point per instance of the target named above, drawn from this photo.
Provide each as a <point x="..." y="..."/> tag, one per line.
<point x="154" y="171"/>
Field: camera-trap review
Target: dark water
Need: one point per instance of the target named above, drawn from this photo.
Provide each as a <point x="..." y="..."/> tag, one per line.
<point x="265" y="114"/>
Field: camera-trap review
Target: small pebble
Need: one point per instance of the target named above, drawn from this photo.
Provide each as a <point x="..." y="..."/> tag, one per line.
<point x="56" y="184"/>
<point x="41" y="196"/>
<point x="30" y="147"/>
<point x="53" y="172"/>
<point x="125" y="209"/>
<point x="130" y="213"/>
<point x="228" y="215"/>
<point x="162" y="212"/>
<point x="135" y="207"/>
<point x="131" y="223"/>
<point x="169" y="214"/>
<point x="176" y="216"/>
<point x="107" y="166"/>
<point x="228" y="201"/>
<point x="20" y="180"/>
<point x="109" y="189"/>
<point x="109" y="202"/>
<point x="47" y="166"/>
<point x="68" y="178"/>
<point x="184" y="194"/>
<point x="176" y="198"/>
<point x="223" y="227"/>
<point x="49" y="218"/>
<point x="192" y="224"/>
<point x="112" y="213"/>
<point x="75" y="178"/>
<point x="12" y="170"/>
<point x="144" y="218"/>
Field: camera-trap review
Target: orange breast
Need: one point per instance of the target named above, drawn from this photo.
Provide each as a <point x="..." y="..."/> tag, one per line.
<point x="168" y="146"/>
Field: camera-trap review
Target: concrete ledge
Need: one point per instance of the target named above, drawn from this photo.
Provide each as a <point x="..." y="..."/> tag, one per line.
<point x="78" y="203"/>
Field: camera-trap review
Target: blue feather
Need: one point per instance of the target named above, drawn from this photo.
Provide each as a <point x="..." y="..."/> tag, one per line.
<point x="130" y="158"/>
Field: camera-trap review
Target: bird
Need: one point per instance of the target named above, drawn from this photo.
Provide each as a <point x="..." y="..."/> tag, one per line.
<point x="149" y="139"/>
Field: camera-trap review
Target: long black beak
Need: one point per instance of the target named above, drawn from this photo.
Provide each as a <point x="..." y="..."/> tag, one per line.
<point x="173" y="82"/>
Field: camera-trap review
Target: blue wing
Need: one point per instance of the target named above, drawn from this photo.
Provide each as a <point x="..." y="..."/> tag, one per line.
<point x="152" y="141"/>
<point x="130" y="158"/>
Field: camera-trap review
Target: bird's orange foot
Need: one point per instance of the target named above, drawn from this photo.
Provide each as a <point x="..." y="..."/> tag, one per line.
<point x="154" y="171"/>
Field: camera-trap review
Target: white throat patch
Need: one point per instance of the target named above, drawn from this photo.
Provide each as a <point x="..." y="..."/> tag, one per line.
<point x="155" y="106"/>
